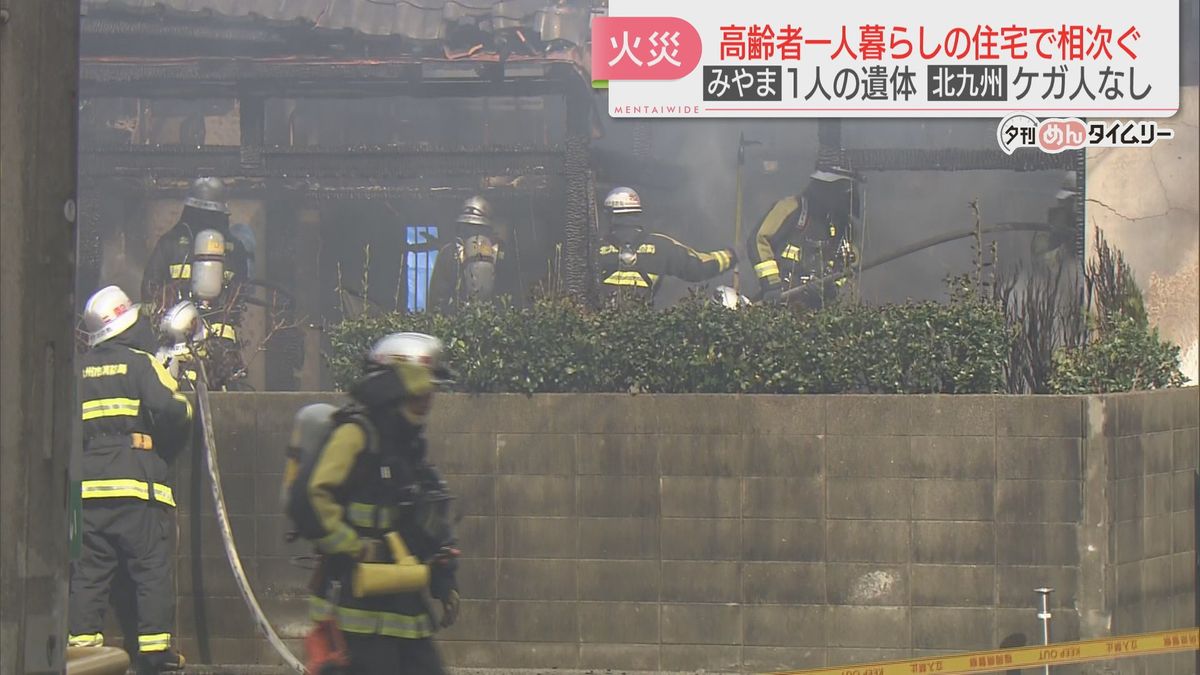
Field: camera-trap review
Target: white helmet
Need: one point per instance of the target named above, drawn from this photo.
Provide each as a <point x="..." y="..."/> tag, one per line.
<point x="108" y="313"/>
<point x="623" y="200"/>
<point x="729" y="298"/>
<point x="181" y="323"/>
<point x="416" y="357"/>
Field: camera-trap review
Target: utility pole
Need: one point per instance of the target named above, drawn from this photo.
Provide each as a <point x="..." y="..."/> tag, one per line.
<point x="39" y="74"/>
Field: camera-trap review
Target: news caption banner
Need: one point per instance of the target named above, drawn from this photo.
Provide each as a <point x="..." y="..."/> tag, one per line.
<point x="874" y="58"/>
<point x="1063" y="653"/>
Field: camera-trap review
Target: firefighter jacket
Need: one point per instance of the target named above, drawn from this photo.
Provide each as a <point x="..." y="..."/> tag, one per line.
<point x="794" y="240"/>
<point x="636" y="265"/>
<point x="360" y="489"/>
<point x="134" y="420"/>
<point x="167" y="277"/>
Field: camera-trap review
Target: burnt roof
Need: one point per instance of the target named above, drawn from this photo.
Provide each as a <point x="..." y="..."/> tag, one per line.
<point x="413" y="19"/>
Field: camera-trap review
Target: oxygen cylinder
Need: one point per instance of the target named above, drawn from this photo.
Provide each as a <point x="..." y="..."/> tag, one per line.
<point x="479" y="266"/>
<point x="208" y="265"/>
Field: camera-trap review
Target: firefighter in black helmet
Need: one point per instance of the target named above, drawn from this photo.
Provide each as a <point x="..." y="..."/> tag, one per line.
<point x="473" y="267"/>
<point x="134" y="423"/>
<point x="807" y="236"/>
<point x="378" y="511"/>
<point x="183" y="267"/>
<point x="633" y="262"/>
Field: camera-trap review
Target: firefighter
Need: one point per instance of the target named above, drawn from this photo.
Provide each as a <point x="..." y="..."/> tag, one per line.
<point x="473" y="266"/>
<point x="134" y="424"/>
<point x="371" y="483"/>
<point x="807" y="236"/>
<point x="177" y="271"/>
<point x="1057" y="247"/>
<point x="633" y="262"/>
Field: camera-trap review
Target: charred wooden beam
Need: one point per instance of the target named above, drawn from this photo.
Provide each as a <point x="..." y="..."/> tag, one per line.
<point x="577" y="244"/>
<point x="324" y="77"/>
<point x="97" y="30"/>
<point x="397" y="162"/>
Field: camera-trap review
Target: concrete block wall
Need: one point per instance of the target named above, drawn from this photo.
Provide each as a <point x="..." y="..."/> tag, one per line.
<point x="748" y="533"/>
<point x="1152" y="462"/>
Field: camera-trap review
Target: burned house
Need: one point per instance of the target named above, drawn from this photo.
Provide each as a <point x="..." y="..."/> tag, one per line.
<point x="348" y="134"/>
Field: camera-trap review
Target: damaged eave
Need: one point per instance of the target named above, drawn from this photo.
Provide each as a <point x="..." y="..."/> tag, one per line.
<point x="366" y="162"/>
<point x="307" y="77"/>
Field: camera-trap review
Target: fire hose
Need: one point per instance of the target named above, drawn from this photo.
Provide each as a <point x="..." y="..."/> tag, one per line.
<point x="920" y="246"/>
<point x="231" y="552"/>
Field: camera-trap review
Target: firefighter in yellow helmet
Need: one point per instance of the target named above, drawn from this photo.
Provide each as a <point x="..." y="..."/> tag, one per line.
<point x="378" y="512"/>
<point x="633" y="262"/>
<point x="134" y="424"/>
<point x="807" y="236"/>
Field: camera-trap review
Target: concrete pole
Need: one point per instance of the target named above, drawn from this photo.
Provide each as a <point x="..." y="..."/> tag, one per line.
<point x="39" y="74"/>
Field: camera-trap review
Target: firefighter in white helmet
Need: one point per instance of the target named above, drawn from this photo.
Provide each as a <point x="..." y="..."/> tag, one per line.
<point x="378" y="512"/>
<point x="633" y="261"/>
<point x="134" y="424"/>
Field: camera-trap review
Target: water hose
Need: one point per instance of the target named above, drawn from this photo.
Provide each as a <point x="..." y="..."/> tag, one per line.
<point x="231" y="552"/>
<point x="920" y="246"/>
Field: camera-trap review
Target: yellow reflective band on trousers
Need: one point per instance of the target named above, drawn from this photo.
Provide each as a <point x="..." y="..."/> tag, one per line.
<point x="127" y="488"/>
<point x="156" y="642"/>
<point x="111" y="407"/>
<point x="766" y="268"/>
<point x="86" y="640"/>
<point x="363" y="515"/>
<point x="368" y="622"/>
<point x="791" y="252"/>
<point x="627" y="279"/>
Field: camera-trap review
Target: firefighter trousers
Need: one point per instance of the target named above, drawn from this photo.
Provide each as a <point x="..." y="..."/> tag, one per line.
<point x="136" y="536"/>
<point x="384" y="655"/>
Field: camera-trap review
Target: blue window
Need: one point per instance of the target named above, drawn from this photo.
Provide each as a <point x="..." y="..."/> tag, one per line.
<point x="419" y="265"/>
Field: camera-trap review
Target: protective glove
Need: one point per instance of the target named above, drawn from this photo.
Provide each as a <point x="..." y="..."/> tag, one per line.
<point x="443" y="583"/>
<point x="449" y="609"/>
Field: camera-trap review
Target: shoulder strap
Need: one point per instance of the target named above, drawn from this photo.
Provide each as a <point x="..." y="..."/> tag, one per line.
<point x="357" y="414"/>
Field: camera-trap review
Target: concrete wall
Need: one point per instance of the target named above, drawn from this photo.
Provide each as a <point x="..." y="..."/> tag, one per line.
<point x="1146" y="204"/>
<point x="728" y="533"/>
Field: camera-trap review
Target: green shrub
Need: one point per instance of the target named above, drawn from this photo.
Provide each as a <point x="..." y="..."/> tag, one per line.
<point x="697" y="346"/>
<point x="1126" y="356"/>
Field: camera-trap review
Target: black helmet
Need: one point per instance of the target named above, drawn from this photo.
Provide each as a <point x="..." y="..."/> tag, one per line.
<point x="207" y="194"/>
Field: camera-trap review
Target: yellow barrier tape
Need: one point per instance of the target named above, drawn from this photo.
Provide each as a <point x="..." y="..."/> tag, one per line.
<point x="1163" y="642"/>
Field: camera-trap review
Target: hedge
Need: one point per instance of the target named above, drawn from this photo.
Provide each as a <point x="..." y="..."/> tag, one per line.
<point x="697" y="346"/>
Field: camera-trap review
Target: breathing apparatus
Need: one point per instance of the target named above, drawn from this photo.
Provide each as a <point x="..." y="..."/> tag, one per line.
<point x="478" y="251"/>
<point x="208" y="265"/>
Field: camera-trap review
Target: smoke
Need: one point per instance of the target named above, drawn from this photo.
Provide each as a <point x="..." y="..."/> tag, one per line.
<point x="902" y="206"/>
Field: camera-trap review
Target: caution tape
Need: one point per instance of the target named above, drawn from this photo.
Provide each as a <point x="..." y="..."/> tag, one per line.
<point x="1163" y="642"/>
